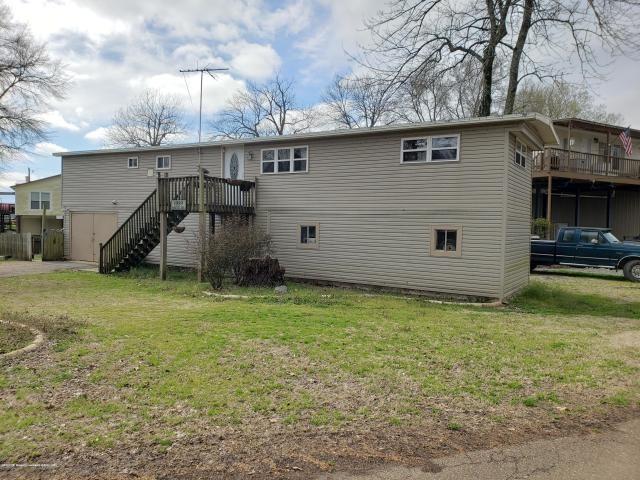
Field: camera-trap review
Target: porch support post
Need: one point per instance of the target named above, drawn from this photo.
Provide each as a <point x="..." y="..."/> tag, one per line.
<point x="577" y="211"/>
<point x="163" y="245"/>
<point x="608" y="152"/>
<point x="609" y="206"/>
<point x="549" y="198"/>
<point x="538" y="203"/>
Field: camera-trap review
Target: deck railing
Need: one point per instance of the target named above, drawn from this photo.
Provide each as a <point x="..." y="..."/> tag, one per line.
<point x="221" y="195"/>
<point x="559" y="160"/>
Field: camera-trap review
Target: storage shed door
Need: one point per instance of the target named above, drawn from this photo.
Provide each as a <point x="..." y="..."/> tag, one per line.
<point x="88" y="230"/>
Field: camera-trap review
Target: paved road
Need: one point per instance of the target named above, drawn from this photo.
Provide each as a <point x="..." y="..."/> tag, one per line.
<point x="16" y="268"/>
<point x="613" y="455"/>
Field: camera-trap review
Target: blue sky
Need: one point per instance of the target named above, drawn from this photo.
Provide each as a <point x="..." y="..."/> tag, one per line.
<point x="115" y="49"/>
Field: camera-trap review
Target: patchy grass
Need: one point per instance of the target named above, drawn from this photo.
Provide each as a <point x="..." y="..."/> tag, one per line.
<point x="13" y="337"/>
<point x="139" y="362"/>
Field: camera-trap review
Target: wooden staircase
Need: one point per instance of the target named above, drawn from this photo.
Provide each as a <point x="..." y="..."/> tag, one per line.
<point x="176" y="197"/>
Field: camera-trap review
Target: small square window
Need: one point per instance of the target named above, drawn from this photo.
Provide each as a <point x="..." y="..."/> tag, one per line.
<point x="132" y="162"/>
<point x="444" y="149"/>
<point x="45" y="200"/>
<point x="446" y="241"/>
<point x="308" y="235"/>
<point x="163" y="162"/>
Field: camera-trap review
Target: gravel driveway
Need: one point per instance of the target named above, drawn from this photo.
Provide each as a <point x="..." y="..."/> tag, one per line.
<point x="14" y="268"/>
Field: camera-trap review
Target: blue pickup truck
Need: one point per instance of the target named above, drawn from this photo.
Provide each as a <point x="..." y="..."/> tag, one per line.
<point x="588" y="247"/>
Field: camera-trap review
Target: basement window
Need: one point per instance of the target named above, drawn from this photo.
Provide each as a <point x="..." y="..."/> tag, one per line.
<point x="446" y="241"/>
<point x="163" y="162"/>
<point x="308" y="235"/>
<point x="132" y="162"/>
<point x="521" y="154"/>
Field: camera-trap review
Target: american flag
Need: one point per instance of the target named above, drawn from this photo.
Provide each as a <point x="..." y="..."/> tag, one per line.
<point x="625" y="138"/>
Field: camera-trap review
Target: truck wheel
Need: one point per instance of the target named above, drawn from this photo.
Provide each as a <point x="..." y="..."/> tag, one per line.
<point x="632" y="270"/>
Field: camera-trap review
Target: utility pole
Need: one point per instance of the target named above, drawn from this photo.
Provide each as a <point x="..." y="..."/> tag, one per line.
<point x="201" y="172"/>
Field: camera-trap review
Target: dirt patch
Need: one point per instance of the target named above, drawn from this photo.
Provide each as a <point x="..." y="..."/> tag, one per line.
<point x="14" y="336"/>
<point x="629" y="339"/>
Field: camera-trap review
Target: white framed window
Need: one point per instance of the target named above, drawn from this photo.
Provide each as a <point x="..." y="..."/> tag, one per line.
<point x="521" y="154"/>
<point x="163" y="162"/>
<point x="132" y="162"/>
<point x="40" y="200"/>
<point x="308" y="235"/>
<point x="446" y="240"/>
<point x="284" y="160"/>
<point x="436" y="148"/>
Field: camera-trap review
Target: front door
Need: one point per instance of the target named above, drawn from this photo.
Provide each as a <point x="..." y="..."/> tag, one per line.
<point x="234" y="163"/>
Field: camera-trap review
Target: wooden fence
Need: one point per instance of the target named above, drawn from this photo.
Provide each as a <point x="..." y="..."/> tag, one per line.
<point x="16" y="245"/>
<point x="53" y="245"/>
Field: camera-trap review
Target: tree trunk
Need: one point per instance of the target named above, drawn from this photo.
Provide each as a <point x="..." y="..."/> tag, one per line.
<point x="514" y="68"/>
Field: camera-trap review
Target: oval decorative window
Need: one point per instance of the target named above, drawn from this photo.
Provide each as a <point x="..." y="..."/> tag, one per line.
<point x="234" y="167"/>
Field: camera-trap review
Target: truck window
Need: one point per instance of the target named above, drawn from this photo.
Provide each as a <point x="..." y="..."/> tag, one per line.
<point x="568" y="236"/>
<point x="589" y="237"/>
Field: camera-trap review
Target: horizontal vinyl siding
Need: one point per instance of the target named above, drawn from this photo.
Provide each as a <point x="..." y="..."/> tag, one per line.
<point x="518" y="226"/>
<point x="93" y="183"/>
<point x="376" y="214"/>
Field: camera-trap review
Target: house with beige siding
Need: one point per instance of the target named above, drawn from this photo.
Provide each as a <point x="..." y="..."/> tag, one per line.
<point x="39" y="201"/>
<point x="440" y="207"/>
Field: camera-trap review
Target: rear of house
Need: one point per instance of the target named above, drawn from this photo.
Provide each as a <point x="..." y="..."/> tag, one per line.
<point x="438" y="207"/>
<point x="39" y="205"/>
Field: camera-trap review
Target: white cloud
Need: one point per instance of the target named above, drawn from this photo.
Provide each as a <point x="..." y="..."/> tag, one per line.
<point x="9" y="179"/>
<point x="252" y="60"/>
<point x="47" y="148"/>
<point x="56" y="120"/>
<point x="98" y="135"/>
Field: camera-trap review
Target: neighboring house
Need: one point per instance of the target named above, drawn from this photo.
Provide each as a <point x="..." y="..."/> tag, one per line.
<point x="592" y="180"/>
<point x="440" y="207"/>
<point x="36" y="200"/>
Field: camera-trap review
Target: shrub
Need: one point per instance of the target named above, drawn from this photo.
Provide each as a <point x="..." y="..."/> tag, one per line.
<point x="233" y="244"/>
<point x="541" y="227"/>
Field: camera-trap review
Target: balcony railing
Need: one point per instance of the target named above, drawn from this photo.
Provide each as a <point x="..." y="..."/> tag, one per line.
<point x="559" y="160"/>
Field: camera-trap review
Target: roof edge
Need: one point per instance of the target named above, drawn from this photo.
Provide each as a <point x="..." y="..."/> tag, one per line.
<point x="546" y="121"/>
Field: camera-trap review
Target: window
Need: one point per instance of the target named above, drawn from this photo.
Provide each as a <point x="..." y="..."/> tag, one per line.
<point x="440" y="148"/>
<point x="610" y="237"/>
<point x="446" y="241"/>
<point x="308" y="235"/>
<point x="592" y="237"/>
<point x="40" y="200"/>
<point x="285" y="160"/>
<point x="521" y="154"/>
<point x="568" y="236"/>
<point x="132" y="162"/>
<point x="163" y="162"/>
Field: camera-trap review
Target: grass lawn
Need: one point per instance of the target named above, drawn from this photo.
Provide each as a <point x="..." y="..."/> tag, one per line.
<point x="162" y="376"/>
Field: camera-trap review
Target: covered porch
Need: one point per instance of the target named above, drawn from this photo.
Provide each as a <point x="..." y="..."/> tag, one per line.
<point x="579" y="202"/>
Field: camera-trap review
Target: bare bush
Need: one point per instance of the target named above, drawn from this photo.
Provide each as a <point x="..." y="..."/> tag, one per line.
<point x="228" y="250"/>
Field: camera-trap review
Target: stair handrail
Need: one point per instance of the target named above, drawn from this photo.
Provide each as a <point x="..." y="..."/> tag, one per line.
<point x="106" y="264"/>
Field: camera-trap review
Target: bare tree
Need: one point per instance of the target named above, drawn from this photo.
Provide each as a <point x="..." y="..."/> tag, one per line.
<point x="359" y="101"/>
<point x="263" y="110"/>
<point x="531" y="37"/>
<point x="152" y="119"/>
<point x="29" y="80"/>
<point x="563" y="100"/>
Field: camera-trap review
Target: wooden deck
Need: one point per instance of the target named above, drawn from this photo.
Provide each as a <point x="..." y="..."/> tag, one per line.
<point x="556" y="162"/>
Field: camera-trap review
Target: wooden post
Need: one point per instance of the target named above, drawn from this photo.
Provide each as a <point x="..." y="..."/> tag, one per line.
<point x="201" y="229"/>
<point x="100" y="262"/>
<point x="608" y="152"/>
<point x="549" y="195"/>
<point x="577" y="210"/>
<point x="163" y="245"/>
<point x="609" y="207"/>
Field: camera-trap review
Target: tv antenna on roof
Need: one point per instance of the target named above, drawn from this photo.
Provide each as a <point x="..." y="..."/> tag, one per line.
<point x="202" y="71"/>
<point x="201" y="171"/>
